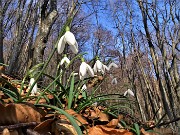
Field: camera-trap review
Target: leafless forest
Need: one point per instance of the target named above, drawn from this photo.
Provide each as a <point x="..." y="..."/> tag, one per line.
<point x="141" y="36"/>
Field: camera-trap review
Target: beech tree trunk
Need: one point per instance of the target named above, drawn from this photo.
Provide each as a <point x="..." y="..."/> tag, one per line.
<point x="3" y="9"/>
<point x="155" y="61"/>
<point x="46" y="22"/>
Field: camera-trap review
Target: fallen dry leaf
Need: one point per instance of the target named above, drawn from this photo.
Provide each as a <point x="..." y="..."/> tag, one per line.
<point x="7" y="132"/>
<point x="80" y="120"/>
<point x="113" y="123"/>
<point x="44" y="127"/>
<point x="103" y="116"/>
<point x="147" y="133"/>
<point x="102" y="130"/>
<point x="65" y="129"/>
<point x="18" y="113"/>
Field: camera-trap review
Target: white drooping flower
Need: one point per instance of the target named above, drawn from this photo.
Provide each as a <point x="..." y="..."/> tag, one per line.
<point x="75" y="74"/>
<point x="105" y="68"/>
<point x="84" y="87"/>
<point x="112" y="65"/>
<point x="85" y="71"/>
<point x="65" y="61"/>
<point x="98" y="66"/>
<point x="34" y="90"/>
<point x="94" y="104"/>
<point x="68" y="38"/>
<point x="114" y="81"/>
<point x="128" y="92"/>
<point x="111" y="76"/>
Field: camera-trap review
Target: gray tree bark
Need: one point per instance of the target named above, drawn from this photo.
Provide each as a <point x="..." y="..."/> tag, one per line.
<point x="46" y="21"/>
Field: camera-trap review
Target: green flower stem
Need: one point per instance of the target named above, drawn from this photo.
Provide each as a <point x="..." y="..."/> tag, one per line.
<point x="68" y="65"/>
<point x="51" y="55"/>
<point x="41" y="72"/>
<point x="46" y="89"/>
<point x="22" y="85"/>
<point x="71" y="91"/>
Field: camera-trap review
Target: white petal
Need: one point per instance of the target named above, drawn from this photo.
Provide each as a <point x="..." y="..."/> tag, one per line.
<point x="112" y="65"/>
<point x="61" y="45"/>
<point x="114" y="81"/>
<point x="84" y="87"/>
<point x="82" y="70"/>
<point x="130" y="92"/>
<point x="125" y="93"/>
<point x="34" y="90"/>
<point x="111" y="76"/>
<point x="105" y="67"/>
<point x="69" y="38"/>
<point x="90" y="71"/>
<point x="75" y="74"/>
<point x="62" y="61"/>
<point x="95" y="68"/>
<point x="83" y="77"/>
<point x="74" y="48"/>
<point x="65" y="60"/>
<point x="31" y="81"/>
<point x="99" y="65"/>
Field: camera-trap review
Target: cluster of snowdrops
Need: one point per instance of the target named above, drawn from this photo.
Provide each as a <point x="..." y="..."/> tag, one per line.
<point x="85" y="70"/>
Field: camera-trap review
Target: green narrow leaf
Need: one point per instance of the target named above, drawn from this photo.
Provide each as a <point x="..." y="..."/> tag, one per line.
<point x="2" y="64"/>
<point x="71" y="118"/>
<point x="10" y="94"/>
<point x="32" y="71"/>
<point x="137" y="128"/>
<point x="84" y="94"/>
<point x="57" y="82"/>
<point x="46" y="89"/>
<point x="134" y="130"/>
<point x="11" y="87"/>
<point x="59" y="103"/>
<point x="71" y="92"/>
<point x="123" y="123"/>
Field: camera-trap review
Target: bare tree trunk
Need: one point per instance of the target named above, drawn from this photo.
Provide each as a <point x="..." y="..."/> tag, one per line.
<point x="1" y="33"/>
<point x="3" y="9"/>
<point x="155" y="61"/>
<point x="19" y="35"/>
<point x="46" y="21"/>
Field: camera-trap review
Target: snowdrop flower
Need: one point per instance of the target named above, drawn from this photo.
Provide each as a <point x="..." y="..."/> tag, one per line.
<point x="84" y="87"/>
<point x="94" y="104"/>
<point x="34" y="90"/>
<point x="105" y="68"/>
<point x="75" y="74"/>
<point x="112" y="65"/>
<point x="114" y="81"/>
<point x="68" y="38"/>
<point x="65" y="60"/>
<point x="98" y="67"/>
<point x="128" y="92"/>
<point x="111" y="76"/>
<point x="85" y="70"/>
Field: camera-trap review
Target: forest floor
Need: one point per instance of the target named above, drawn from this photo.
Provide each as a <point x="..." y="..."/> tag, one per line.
<point x="21" y="118"/>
